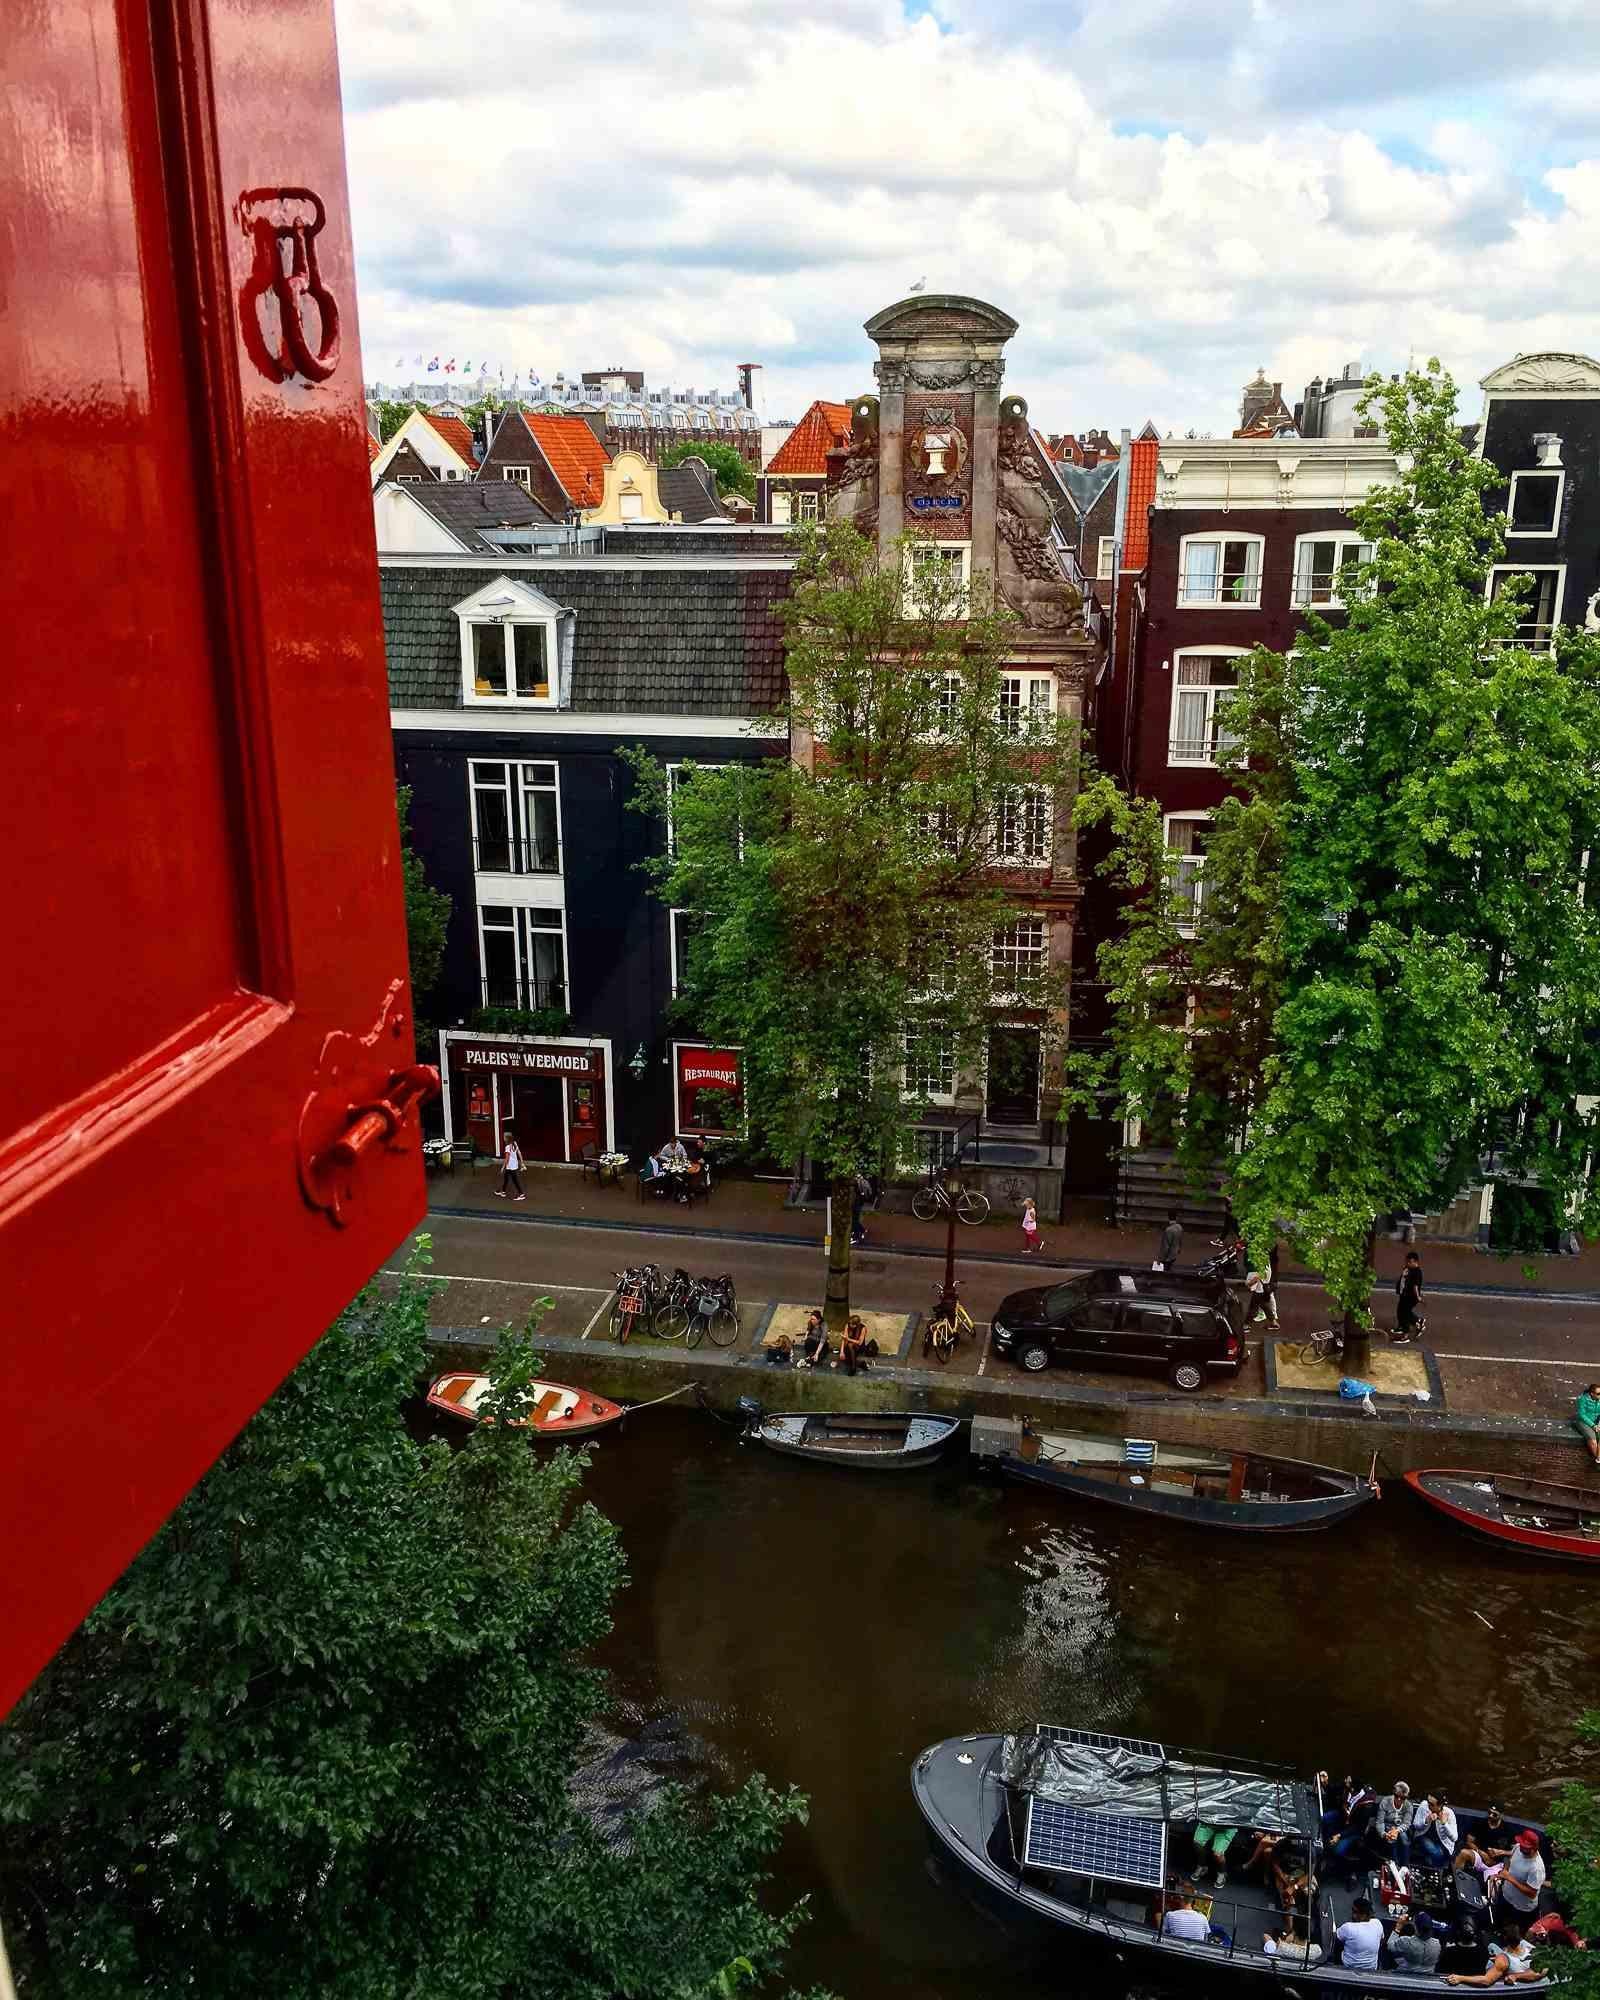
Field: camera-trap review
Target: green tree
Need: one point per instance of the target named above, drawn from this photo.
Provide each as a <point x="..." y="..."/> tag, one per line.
<point x="1575" y="1828"/>
<point x="319" y="1740"/>
<point x="1418" y="786"/>
<point x="731" y="473"/>
<point x="390" y="417"/>
<point x="427" y="910"/>
<point x="848" y="926"/>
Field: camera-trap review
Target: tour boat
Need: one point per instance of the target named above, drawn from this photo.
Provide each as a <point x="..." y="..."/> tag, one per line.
<point x="864" y="1440"/>
<point x="1078" y="1832"/>
<point x="1214" y="1488"/>
<point x="1532" y="1514"/>
<point x="557" y="1411"/>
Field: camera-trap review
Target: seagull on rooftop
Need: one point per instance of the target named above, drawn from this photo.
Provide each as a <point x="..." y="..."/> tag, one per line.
<point x="920" y="285"/>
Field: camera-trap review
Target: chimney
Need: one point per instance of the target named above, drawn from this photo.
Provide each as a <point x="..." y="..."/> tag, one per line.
<point x="1127" y="437"/>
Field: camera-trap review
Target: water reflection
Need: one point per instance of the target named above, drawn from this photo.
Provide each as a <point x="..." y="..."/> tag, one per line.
<point x="824" y="1628"/>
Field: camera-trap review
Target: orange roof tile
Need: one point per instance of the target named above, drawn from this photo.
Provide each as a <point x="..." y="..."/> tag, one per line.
<point x="804" y="452"/>
<point x="373" y="448"/>
<point x="577" y="457"/>
<point x="455" y="434"/>
<point x="1142" y="455"/>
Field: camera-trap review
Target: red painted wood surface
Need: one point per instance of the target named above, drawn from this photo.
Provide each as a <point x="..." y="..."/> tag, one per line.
<point x="202" y="859"/>
<point x="1534" y="1541"/>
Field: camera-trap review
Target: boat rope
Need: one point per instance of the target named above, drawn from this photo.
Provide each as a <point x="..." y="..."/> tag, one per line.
<point x="687" y="1389"/>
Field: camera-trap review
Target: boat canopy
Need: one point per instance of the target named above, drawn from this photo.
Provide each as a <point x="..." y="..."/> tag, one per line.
<point x="1139" y="1780"/>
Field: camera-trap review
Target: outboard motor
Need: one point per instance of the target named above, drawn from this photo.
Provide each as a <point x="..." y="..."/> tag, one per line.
<point x="750" y="1410"/>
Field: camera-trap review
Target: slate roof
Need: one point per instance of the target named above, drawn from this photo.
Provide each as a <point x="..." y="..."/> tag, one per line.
<point x="576" y="456"/>
<point x="804" y="452"/>
<point x="455" y="434"/>
<point x="467" y="507"/>
<point x="1086" y="483"/>
<point x="652" y="639"/>
<point x="684" y="491"/>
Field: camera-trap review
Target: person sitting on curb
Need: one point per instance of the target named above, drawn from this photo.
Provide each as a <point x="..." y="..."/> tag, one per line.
<point x="1586" y="1416"/>
<point x="814" y="1341"/>
<point x="852" y="1345"/>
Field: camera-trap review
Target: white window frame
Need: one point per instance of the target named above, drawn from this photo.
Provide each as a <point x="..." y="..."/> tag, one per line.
<point x="1196" y="872"/>
<point x="408" y="479"/>
<point x="1040" y="807"/>
<point x="674" y="932"/>
<point x="680" y="1130"/>
<point x="521" y="915"/>
<point x="1207" y="761"/>
<point x="517" y="785"/>
<point x="1557" y="570"/>
<point x="808" y="505"/>
<point x="1220" y="601"/>
<point x="1105" y="561"/>
<point x="963" y="553"/>
<point x="939" y="1032"/>
<point x="1041" y="952"/>
<point x="672" y="785"/>
<point x="1347" y="545"/>
<point x="508" y="605"/>
<point x="522" y="474"/>
<point x="1541" y="473"/>
<point x="1026" y="700"/>
<point x="780" y="507"/>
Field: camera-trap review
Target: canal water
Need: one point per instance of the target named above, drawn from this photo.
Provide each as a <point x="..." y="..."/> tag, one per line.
<point x="823" y="1627"/>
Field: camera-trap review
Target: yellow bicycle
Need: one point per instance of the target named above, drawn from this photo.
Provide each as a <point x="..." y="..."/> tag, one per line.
<point x="949" y="1321"/>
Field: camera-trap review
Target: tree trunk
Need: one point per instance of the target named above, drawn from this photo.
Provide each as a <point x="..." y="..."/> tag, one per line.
<point x="1357" y="1337"/>
<point x="836" y="1306"/>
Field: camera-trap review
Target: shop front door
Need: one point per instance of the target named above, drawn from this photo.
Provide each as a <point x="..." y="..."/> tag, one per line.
<point x="531" y="1107"/>
<point x="1012" y="1094"/>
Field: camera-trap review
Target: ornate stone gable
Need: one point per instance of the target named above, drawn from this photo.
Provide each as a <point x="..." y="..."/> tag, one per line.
<point x="1549" y="374"/>
<point x="938" y="465"/>
<point x="941" y="313"/>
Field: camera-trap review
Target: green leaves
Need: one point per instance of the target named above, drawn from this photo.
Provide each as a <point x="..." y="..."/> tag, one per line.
<point x="319" y="1739"/>
<point x="427" y="909"/>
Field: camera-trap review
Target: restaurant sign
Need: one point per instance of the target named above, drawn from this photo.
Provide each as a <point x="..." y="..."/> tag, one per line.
<point x="528" y="1060"/>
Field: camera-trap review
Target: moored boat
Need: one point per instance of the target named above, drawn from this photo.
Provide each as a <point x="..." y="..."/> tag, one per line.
<point x="557" y="1411"/>
<point x="1242" y="1490"/>
<point x="864" y="1440"/>
<point x="1535" y="1515"/>
<point x="1093" y="1835"/>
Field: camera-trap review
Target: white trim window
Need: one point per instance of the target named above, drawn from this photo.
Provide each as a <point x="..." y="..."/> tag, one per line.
<point x="1541" y="608"/>
<point x="516" y="818"/>
<point x="508" y="647"/>
<point x="930" y="1063"/>
<point x="1023" y="827"/>
<point x="1027" y="701"/>
<point x="680" y="934"/>
<point x="1533" y="509"/>
<point x="940" y="828"/>
<point x="808" y="505"/>
<point x="674" y="779"/>
<point x="1201" y="676"/>
<point x="1187" y="836"/>
<point x="1220" y="570"/>
<point x="522" y="956"/>
<point x="947" y="565"/>
<point x="522" y="474"/>
<point x="1318" y="563"/>
<point x="1019" y="956"/>
<point x="780" y="506"/>
<point x="1105" y="562"/>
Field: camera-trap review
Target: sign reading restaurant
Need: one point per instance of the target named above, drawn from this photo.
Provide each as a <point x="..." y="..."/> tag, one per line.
<point x="560" y="1062"/>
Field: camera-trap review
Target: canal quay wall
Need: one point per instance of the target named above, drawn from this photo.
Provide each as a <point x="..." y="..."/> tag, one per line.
<point x="1405" y="1436"/>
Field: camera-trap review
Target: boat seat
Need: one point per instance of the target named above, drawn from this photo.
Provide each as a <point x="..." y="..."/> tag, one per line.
<point x="549" y="1401"/>
<point x="454" y="1391"/>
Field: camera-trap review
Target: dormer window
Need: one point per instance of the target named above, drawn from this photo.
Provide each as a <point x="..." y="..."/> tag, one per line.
<point x="509" y="655"/>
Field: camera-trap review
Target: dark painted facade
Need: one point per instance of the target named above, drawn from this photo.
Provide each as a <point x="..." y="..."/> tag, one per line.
<point x="1541" y="427"/>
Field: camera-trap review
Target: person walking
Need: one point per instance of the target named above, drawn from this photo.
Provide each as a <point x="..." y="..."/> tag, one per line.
<point x="1408" y="1320"/>
<point x="1171" y="1242"/>
<point x="1269" y="1298"/>
<point x="1030" y="1229"/>
<point x="1586" y="1415"/>
<point x="511" y="1170"/>
<point x="863" y="1194"/>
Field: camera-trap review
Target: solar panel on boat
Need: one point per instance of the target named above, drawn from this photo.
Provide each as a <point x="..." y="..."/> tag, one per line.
<point x="1080" y="1842"/>
<point x="1094" y="1740"/>
<point x="1138" y="1451"/>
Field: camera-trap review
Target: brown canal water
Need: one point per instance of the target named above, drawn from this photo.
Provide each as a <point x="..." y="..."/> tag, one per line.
<point x="823" y="1627"/>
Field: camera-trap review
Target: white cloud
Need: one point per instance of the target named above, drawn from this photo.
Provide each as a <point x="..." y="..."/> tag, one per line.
<point x="570" y="186"/>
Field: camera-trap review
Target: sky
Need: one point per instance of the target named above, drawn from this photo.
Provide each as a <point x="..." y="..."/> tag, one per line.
<point x="1165" y="196"/>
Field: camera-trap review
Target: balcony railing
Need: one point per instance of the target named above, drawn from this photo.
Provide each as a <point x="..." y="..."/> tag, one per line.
<point x="1232" y="587"/>
<point x="1202" y="749"/>
<point x="1535" y="635"/>
<point x="528" y="994"/>
<point x="517" y="854"/>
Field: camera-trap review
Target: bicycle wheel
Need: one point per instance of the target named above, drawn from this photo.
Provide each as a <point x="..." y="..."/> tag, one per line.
<point x="671" y="1323"/>
<point x="1314" y="1352"/>
<point x="617" y="1325"/>
<point x="972" y="1207"/>
<point x="942" y="1335"/>
<point x="724" y="1325"/>
<point x="695" y="1331"/>
<point x="925" y="1204"/>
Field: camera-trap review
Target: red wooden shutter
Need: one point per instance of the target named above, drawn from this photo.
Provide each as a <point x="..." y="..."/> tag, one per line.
<point x="205" y="964"/>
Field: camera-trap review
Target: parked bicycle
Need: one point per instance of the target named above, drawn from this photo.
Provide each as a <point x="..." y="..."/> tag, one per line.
<point x="948" y="1322"/>
<point x="1327" y="1344"/>
<point x="670" y="1319"/>
<point x="637" y="1290"/>
<point x="714" y="1310"/>
<point x="934" y="1199"/>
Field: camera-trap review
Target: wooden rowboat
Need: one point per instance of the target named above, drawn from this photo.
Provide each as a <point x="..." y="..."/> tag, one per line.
<point x="1242" y="1490"/>
<point x="557" y="1411"/>
<point x="1532" y="1514"/>
<point x="864" y="1440"/>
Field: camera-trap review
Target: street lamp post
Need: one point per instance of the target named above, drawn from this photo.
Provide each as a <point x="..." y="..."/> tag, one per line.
<point x="953" y="1188"/>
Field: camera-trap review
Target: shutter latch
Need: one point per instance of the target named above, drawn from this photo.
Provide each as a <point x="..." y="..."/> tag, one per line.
<point x="362" y="1104"/>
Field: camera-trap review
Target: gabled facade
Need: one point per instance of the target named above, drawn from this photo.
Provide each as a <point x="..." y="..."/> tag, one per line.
<point x="794" y="481"/>
<point x="465" y="518"/>
<point x="513" y="685"/>
<point x="942" y="450"/>
<point x="559" y="460"/>
<point x="1541" y="428"/>
<point x="427" y="444"/>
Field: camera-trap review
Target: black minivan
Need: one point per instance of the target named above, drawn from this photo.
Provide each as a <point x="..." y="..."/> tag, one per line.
<point x="1188" y="1327"/>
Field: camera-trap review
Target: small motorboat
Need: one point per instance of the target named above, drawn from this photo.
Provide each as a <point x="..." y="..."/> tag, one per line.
<point x="1243" y="1490"/>
<point x="557" y="1411"/>
<point x="865" y="1440"/>
<point x="1532" y="1514"/>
